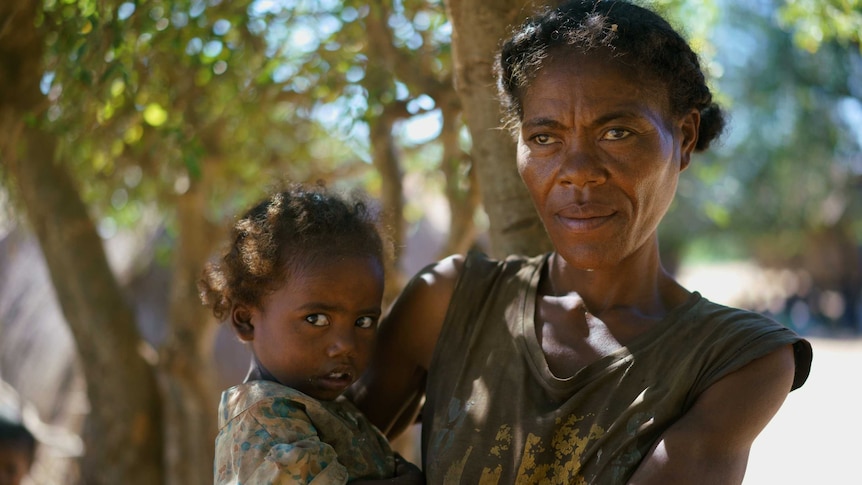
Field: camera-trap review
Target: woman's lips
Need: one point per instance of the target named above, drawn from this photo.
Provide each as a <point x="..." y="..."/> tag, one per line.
<point x="583" y="218"/>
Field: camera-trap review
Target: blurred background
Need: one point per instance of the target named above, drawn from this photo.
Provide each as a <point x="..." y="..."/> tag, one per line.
<point x="132" y="132"/>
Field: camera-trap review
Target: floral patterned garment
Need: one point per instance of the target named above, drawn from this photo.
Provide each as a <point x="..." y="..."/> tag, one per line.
<point x="273" y="434"/>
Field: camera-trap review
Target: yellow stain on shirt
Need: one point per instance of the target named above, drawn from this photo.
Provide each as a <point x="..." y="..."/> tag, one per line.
<point x="568" y="447"/>
<point x="491" y="477"/>
<point x="453" y="474"/>
<point x="504" y="439"/>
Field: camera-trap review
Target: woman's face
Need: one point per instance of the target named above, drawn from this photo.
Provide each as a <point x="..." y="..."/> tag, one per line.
<point x="600" y="156"/>
<point x="316" y="333"/>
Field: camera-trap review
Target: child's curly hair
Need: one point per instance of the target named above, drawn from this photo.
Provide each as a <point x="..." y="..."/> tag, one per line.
<point x="290" y="229"/>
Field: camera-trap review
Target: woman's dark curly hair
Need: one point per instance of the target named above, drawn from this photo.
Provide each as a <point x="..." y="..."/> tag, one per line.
<point x="637" y="36"/>
<point x="291" y="229"/>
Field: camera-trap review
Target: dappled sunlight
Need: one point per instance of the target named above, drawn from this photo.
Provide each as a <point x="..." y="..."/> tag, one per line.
<point x="131" y="132"/>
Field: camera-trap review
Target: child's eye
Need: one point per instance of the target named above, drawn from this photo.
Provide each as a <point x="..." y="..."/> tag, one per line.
<point x="317" y="319"/>
<point x="365" y="322"/>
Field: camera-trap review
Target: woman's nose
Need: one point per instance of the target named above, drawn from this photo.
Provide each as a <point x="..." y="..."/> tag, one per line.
<point x="582" y="166"/>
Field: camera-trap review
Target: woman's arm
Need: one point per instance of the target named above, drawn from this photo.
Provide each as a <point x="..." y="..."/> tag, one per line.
<point x="711" y="442"/>
<point x="390" y="390"/>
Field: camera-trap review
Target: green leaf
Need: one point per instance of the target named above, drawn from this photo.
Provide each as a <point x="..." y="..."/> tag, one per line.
<point x="155" y="115"/>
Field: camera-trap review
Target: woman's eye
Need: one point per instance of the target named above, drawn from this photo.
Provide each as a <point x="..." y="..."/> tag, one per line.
<point x="317" y="319"/>
<point x="543" y="139"/>
<point x="365" y="322"/>
<point x="616" y="134"/>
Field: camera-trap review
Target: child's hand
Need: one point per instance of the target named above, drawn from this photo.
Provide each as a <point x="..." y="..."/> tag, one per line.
<point x="406" y="473"/>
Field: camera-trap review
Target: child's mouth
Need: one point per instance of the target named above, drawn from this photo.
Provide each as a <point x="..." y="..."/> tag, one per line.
<point x="339" y="376"/>
<point x="337" y="380"/>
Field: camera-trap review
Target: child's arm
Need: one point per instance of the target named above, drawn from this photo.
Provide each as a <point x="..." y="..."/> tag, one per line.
<point x="301" y="462"/>
<point x="252" y="448"/>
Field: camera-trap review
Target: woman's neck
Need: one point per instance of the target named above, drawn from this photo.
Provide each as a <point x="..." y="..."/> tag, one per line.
<point x="638" y="285"/>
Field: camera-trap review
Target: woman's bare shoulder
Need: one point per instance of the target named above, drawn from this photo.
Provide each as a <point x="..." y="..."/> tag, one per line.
<point x="418" y="313"/>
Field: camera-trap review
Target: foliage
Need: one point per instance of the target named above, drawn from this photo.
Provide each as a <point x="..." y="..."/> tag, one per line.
<point x="156" y="106"/>
<point x="816" y="22"/>
<point x="151" y="100"/>
<point x="148" y="95"/>
<point x="790" y="157"/>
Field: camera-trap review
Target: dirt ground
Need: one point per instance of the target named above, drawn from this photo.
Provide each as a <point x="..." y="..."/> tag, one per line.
<point x="816" y="437"/>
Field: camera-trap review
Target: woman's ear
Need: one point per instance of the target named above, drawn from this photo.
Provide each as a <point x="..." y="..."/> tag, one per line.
<point x="240" y="317"/>
<point x="689" y="128"/>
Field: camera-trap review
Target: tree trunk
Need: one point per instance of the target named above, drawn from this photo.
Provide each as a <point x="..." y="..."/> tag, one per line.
<point x="122" y="434"/>
<point x="461" y="186"/>
<point x="185" y="364"/>
<point x="388" y="164"/>
<point x="514" y="225"/>
<point x="384" y="152"/>
<point x="123" y="431"/>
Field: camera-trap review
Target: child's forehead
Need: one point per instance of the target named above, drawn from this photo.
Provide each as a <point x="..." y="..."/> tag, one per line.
<point x="321" y="273"/>
<point x="316" y="260"/>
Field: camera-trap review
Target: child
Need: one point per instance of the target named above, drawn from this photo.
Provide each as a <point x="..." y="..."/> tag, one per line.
<point x="17" y="451"/>
<point x="302" y="284"/>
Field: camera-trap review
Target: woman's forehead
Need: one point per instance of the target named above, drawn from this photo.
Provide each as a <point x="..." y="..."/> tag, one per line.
<point x="601" y="61"/>
<point x="592" y="75"/>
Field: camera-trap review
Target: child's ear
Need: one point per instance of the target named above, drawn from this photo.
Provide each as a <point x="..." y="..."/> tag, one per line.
<point x="240" y="317"/>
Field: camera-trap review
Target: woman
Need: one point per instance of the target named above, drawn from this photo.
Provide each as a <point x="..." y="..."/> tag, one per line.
<point x="590" y="364"/>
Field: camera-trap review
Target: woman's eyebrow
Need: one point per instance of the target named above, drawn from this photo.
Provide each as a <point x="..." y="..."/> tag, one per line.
<point x="623" y="114"/>
<point x="542" y="122"/>
<point x="619" y="115"/>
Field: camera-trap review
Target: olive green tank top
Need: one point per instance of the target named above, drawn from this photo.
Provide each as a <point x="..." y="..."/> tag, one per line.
<point x="495" y="414"/>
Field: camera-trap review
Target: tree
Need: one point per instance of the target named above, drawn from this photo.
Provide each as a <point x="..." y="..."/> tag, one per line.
<point x="783" y="187"/>
<point x="111" y="110"/>
<point x="514" y="226"/>
<point x="814" y="23"/>
<point x="101" y="321"/>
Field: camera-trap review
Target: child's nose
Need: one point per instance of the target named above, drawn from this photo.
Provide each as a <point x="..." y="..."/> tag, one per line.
<point x="343" y="342"/>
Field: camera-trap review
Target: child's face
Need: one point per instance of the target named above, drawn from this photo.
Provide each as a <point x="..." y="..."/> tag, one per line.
<point x="316" y="333"/>
<point x="14" y="465"/>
